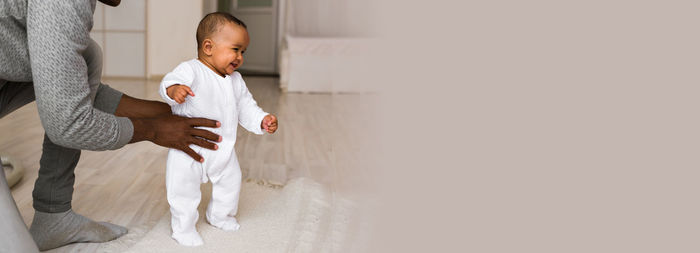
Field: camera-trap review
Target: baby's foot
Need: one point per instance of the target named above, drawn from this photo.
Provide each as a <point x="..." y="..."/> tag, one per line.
<point x="228" y="224"/>
<point x="188" y="239"/>
<point x="231" y="225"/>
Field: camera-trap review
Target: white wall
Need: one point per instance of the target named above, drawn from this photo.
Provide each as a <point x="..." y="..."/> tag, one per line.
<point x="172" y="26"/>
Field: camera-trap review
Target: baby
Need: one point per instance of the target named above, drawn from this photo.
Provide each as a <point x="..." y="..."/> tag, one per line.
<point x="209" y="87"/>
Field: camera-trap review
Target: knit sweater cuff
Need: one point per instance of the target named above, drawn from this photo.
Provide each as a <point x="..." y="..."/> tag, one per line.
<point x="107" y="99"/>
<point x="126" y="132"/>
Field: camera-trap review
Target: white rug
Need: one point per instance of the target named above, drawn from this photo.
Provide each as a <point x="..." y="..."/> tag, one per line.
<point x="302" y="216"/>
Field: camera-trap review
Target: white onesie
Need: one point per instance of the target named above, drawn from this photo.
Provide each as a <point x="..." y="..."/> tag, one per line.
<point x="227" y="100"/>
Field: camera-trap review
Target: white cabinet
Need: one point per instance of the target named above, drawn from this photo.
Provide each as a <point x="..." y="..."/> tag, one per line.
<point x="128" y="16"/>
<point x="146" y="38"/>
<point x="125" y="54"/>
<point x="121" y="32"/>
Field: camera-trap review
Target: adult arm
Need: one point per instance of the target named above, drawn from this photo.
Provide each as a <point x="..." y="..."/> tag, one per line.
<point x="154" y="122"/>
<point x="57" y="35"/>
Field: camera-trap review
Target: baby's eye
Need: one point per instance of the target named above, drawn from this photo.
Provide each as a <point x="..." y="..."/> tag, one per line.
<point x="235" y="49"/>
<point x="243" y="52"/>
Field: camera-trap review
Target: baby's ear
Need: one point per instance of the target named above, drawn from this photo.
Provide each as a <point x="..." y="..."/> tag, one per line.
<point x="207" y="45"/>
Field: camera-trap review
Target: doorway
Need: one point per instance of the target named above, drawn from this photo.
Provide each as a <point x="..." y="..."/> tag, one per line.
<point x="262" y="19"/>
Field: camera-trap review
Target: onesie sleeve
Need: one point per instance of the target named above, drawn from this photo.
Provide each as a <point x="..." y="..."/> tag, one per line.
<point x="182" y="74"/>
<point x="250" y="116"/>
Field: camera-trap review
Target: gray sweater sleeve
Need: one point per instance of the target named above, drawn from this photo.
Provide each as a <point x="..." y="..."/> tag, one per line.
<point x="57" y="35"/>
<point x="107" y="99"/>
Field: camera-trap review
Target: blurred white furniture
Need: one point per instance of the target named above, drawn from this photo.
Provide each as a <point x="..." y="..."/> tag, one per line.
<point x="324" y="46"/>
<point x="324" y="64"/>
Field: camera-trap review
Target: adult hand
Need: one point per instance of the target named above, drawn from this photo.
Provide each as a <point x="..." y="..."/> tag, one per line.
<point x="177" y="132"/>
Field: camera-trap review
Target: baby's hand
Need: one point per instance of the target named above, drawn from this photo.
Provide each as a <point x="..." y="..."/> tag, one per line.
<point x="269" y="123"/>
<point x="179" y="92"/>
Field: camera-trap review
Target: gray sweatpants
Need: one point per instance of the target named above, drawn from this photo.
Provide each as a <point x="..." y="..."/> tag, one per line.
<point x="53" y="189"/>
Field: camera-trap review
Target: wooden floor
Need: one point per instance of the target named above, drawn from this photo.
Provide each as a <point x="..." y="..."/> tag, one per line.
<point x="326" y="137"/>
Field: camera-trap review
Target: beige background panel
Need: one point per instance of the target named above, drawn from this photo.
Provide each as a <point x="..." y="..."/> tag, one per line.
<point x="543" y="126"/>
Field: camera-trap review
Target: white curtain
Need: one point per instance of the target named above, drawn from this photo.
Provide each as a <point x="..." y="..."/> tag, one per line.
<point x="327" y="18"/>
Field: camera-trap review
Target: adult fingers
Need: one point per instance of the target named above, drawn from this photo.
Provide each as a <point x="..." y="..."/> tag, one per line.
<point x="202" y="122"/>
<point x="205" y="134"/>
<point x="204" y="144"/>
<point x="193" y="154"/>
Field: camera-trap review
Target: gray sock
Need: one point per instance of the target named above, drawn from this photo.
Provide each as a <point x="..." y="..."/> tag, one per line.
<point x="53" y="230"/>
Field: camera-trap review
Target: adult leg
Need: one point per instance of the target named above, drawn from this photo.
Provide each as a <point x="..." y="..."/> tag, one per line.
<point x="15" y="237"/>
<point x="182" y="182"/>
<point x="14" y="95"/>
<point x="53" y="189"/>
<point x="224" y="197"/>
<point x="54" y="223"/>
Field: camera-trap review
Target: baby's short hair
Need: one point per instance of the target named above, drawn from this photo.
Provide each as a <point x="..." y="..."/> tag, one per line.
<point x="212" y="22"/>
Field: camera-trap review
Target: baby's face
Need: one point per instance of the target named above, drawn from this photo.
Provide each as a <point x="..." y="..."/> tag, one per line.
<point x="229" y="45"/>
